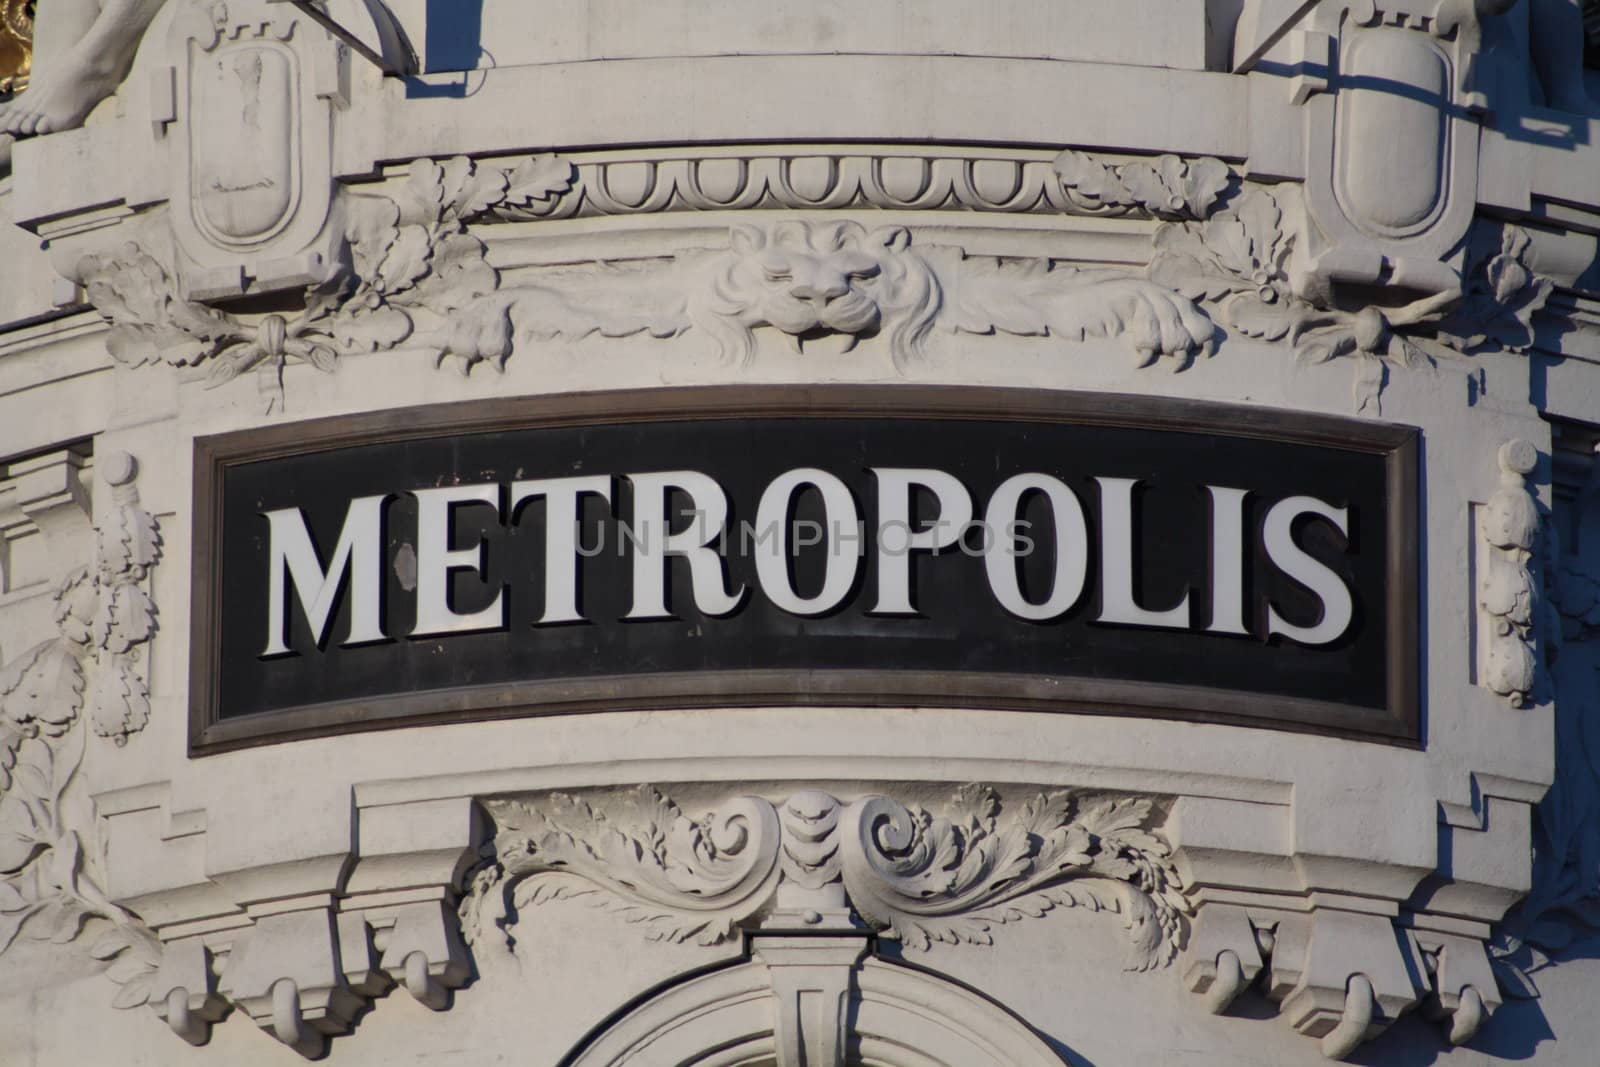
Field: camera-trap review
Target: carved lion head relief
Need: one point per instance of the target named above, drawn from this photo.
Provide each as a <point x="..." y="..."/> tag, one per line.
<point x="807" y="279"/>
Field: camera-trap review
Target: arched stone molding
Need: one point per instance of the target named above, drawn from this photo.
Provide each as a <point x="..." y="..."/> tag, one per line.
<point x="905" y="1013"/>
<point x="896" y="1017"/>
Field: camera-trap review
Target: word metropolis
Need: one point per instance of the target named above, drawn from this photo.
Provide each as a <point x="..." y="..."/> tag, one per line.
<point x="987" y="549"/>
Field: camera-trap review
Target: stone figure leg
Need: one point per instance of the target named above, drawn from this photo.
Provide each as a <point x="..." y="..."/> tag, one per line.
<point x="1555" y="39"/>
<point x="83" y="50"/>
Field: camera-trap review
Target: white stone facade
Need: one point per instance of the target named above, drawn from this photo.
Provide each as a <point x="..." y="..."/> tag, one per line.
<point x="1375" y="210"/>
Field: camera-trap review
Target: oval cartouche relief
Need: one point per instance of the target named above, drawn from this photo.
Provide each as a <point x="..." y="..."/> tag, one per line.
<point x="245" y="186"/>
<point x="1393" y="131"/>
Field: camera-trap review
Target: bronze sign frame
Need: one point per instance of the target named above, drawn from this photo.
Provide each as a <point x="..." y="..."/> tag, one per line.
<point x="1399" y="445"/>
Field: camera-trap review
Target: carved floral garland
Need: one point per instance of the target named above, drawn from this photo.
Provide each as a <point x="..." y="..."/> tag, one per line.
<point x="1235" y="262"/>
<point x="1562" y="907"/>
<point x="910" y="874"/>
<point x="1508" y="598"/>
<point x="413" y="273"/>
<point x="412" y="261"/>
<point x="808" y="279"/>
<point x="1165" y="187"/>
<point x="104" y="619"/>
<point x="407" y="257"/>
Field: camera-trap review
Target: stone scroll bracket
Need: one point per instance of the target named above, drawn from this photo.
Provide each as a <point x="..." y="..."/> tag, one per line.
<point x="1343" y="966"/>
<point x="1337" y="975"/>
<point x="1342" y="971"/>
<point x="323" y="938"/>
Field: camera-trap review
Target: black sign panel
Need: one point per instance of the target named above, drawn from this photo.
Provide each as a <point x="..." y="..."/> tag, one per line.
<point x="851" y="545"/>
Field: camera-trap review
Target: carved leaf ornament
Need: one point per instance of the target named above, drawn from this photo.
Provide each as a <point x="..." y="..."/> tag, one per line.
<point x="1562" y="907"/>
<point x="412" y="262"/>
<point x="1507" y="590"/>
<point x="1235" y="260"/>
<point x="414" y="274"/>
<point x="682" y="880"/>
<point x="923" y="879"/>
<point x="404" y="255"/>
<point x="103" y="618"/>
<point x="1166" y="187"/>
<point x="910" y="874"/>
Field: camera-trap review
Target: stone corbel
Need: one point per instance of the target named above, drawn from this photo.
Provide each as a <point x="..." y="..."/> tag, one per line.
<point x="184" y="991"/>
<point x="419" y="948"/>
<point x="1463" y="992"/>
<point x="285" y="970"/>
<point x="1338" y="974"/>
<point x="360" y="956"/>
<point x="1225" y="954"/>
<point x="285" y="973"/>
<point x="311" y="961"/>
<point x="301" y="947"/>
<point x="398" y="910"/>
<point x="1342" y="977"/>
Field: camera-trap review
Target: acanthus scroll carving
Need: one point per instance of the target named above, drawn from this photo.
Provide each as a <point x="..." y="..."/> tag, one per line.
<point x="681" y="879"/>
<point x="908" y="873"/>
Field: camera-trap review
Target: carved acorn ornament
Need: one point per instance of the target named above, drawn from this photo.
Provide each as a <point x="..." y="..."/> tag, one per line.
<point x="1508" y="594"/>
<point x="1511" y="519"/>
